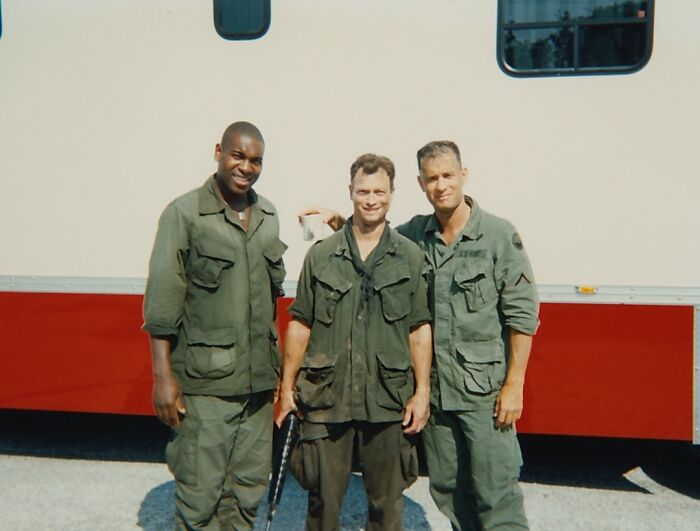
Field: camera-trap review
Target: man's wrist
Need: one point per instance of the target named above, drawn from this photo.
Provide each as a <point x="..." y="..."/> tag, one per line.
<point x="422" y="391"/>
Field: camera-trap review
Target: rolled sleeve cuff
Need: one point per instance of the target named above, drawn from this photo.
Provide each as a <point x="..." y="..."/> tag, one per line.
<point x="526" y="326"/>
<point x="420" y="319"/>
<point x="157" y="330"/>
<point x="296" y="312"/>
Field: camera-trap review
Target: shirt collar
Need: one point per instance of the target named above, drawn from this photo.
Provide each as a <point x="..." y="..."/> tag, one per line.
<point x="472" y="230"/>
<point x="211" y="203"/>
<point x="343" y="248"/>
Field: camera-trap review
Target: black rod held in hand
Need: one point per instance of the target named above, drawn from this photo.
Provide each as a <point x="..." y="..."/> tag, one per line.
<point x="289" y="433"/>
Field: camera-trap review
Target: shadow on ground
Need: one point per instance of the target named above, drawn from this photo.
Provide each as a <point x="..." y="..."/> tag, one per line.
<point x="591" y="462"/>
<point x="156" y="511"/>
<point x="602" y="463"/>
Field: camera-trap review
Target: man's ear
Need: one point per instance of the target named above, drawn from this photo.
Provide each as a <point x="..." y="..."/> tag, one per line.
<point x="217" y="152"/>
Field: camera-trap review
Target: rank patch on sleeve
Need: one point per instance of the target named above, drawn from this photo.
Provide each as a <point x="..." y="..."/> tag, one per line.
<point x="517" y="242"/>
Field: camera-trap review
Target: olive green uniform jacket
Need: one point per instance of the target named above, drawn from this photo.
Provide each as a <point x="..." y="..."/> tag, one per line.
<point x="213" y="286"/>
<point x="358" y="364"/>
<point x="479" y="286"/>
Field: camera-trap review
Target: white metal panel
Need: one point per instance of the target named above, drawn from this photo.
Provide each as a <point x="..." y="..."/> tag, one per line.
<point x="111" y="109"/>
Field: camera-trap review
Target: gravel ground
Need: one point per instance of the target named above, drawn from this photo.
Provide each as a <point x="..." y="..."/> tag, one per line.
<point x="91" y="472"/>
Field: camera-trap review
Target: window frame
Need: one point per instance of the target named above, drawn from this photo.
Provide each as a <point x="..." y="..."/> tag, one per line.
<point x="502" y="27"/>
<point x="221" y="31"/>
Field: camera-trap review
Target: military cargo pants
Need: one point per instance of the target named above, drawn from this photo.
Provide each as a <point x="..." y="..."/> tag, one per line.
<point x="474" y="469"/>
<point x="389" y="465"/>
<point x="221" y="458"/>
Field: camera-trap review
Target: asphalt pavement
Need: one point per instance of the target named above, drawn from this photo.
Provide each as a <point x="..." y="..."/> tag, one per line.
<point x="67" y="471"/>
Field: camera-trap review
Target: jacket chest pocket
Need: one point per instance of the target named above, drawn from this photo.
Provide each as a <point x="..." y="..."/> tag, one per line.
<point x="392" y="285"/>
<point x="329" y="289"/>
<point x="210" y="259"/>
<point x="474" y="281"/>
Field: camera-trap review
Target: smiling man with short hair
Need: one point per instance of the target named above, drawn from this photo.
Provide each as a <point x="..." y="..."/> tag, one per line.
<point x="357" y="358"/>
<point x="215" y="273"/>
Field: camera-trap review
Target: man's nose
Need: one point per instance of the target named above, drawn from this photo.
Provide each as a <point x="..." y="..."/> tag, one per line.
<point x="244" y="165"/>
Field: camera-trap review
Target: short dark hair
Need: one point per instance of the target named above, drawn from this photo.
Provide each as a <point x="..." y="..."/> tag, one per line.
<point x="370" y="163"/>
<point x="241" y="128"/>
<point x="436" y="148"/>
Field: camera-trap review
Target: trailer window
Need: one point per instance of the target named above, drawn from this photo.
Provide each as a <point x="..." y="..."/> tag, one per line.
<point x="241" y="19"/>
<point x="574" y="37"/>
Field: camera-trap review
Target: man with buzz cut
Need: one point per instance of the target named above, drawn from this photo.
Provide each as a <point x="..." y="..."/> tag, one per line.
<point x="215" y="273"/>
<point x="484" y="305"/>
<point x="357" y="358"/>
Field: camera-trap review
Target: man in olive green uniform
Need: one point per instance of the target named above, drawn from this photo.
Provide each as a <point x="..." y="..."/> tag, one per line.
<point x="360" y="334"/>
<point x="484" y="304"/>
<point x="214" y="276"/>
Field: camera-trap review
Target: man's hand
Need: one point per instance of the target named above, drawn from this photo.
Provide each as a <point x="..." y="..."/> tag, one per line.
<point x="416" y="414"/>
<point x="167" y="399"/>
<point x="509" y="406"/>
<point x="287" y="404"/>
<point x="330" y="217"/>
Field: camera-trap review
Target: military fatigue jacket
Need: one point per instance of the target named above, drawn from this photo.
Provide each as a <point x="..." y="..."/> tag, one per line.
<point x="213" y="286"/>
<point x="358" y="363"/>
<point x="479" y="286"/>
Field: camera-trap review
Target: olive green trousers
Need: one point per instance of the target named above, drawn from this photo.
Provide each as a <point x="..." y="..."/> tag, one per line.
<point x="221" y="457"/>
<point x="474" y="469"/>
<point x="389" y="465"/>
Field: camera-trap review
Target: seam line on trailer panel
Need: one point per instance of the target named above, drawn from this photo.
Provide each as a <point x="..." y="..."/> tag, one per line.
<point x="564" y="293"/>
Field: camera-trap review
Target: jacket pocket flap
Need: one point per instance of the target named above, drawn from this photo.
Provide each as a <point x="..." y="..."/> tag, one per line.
<point x="390" y="276"/>
<point x="394" y="360"/>
<point x="482" y="351"/>
<point x="471" y="272"/>
<point x="275" y="251"/>
<point x="318" y="361"/>
<point x="330" y="277"/>
<point x="214" y="249"/>
<point x="212" y="337"/>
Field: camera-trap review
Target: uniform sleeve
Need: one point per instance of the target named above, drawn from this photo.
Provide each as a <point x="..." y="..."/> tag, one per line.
<point x="516" y="283"/>
<point x="410" y="229"/>
<point x="166" y="286"/>
<point x="420" y="311"/>
<point x="275" y="266"/>
<point x="303" y="306"/>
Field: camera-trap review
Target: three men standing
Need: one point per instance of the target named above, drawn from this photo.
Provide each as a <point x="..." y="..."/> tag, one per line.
<point x="214" y="276"/>
<point x="358" y="356"/>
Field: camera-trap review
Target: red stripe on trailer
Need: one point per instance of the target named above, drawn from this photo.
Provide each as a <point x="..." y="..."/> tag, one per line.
<point x="74" y="352"/>
<point x="612" y="370"/>
<point x="596" y="369"/>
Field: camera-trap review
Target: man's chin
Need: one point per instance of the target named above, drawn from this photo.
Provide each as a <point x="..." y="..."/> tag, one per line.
<point x="371" y="222"/>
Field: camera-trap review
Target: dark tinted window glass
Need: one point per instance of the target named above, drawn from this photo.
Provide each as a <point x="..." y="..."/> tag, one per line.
<point x="524" y="11"/>
<point x="554" y="37"/>
<point x="241" y="19"/>
<point x="540" y="48"/>
<point x="612" y="45"/>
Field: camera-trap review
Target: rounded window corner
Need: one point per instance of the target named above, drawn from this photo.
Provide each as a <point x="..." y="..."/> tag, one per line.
<point x="242" y="20"/>
<point x="248" y="36"/>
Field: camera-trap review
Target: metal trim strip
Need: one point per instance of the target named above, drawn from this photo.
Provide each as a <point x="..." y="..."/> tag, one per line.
<point x="560" y="293"/>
